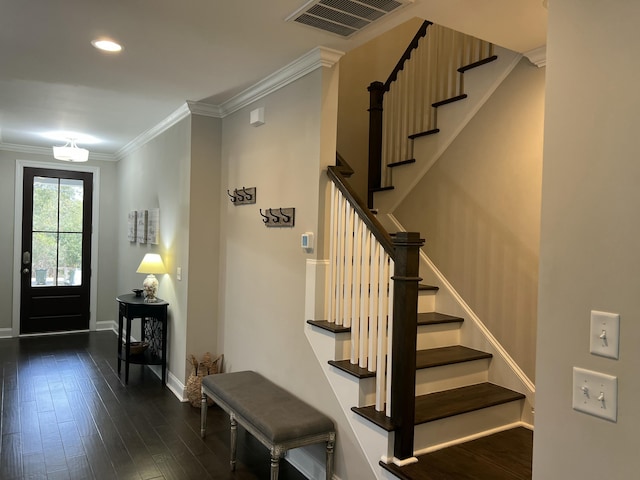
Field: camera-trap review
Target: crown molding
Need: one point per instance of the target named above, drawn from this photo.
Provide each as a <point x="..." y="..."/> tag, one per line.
<point x="205" y="109"/>
<point x="318" y="57"/>
<point x="312" y="60"/>
<point x="537" y="56"/>
<point x="46" y="151"/>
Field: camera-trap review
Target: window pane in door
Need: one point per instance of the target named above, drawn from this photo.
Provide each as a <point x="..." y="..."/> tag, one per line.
<point x="45" y="204"/>
<point x="71" y="193"/>
<point x="44" y="259"/>
<point x="70" y="259"/>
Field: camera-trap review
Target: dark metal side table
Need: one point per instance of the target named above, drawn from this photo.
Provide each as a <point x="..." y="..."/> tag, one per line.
<point x="153" y="329"/>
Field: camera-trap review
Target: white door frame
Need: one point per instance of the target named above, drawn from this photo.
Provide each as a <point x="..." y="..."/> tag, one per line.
<point x="17" y="236"/>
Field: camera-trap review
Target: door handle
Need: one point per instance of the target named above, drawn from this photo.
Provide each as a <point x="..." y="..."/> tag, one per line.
<point x="25" y="270"/>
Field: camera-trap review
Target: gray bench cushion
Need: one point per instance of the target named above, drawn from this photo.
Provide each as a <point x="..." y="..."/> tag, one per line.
<point x="275" y="412"/>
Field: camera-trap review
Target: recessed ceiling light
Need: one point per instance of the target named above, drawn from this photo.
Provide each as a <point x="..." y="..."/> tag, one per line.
<point x="106" y="45"/>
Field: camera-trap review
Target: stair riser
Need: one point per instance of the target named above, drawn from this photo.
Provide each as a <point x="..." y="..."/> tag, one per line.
<point x="431" y="434"/>
<point x="437" y="379"/>
<point x="440" y="335"/>
<point x="427" y="301"/>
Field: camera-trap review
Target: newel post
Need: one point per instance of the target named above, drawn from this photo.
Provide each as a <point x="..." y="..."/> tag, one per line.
<point x="405" y="324"/>
<point x="376" y="94"/>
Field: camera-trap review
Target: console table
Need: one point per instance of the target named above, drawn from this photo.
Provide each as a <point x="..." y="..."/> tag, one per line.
<point x="153" y="329"/>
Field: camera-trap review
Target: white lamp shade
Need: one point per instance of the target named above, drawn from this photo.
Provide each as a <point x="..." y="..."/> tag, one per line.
<point x="151" y="263"/>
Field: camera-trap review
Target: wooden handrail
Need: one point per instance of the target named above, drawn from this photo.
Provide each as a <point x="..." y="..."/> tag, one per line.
<point x="336" y="174"/>
<point x="407" y="53"/>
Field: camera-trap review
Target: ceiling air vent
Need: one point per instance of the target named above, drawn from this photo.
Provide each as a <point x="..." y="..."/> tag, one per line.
<point x="344" y="17"/>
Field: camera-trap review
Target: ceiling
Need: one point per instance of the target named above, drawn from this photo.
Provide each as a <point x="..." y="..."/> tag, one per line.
<point x="51" y="77"/>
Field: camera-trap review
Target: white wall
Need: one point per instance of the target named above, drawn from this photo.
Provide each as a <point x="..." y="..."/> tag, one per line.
<point x="371" y="62"/>
<point x="105" y="278"/>
<point x="262" y="274"/>
<point x="478" y="208"/>
<point x="589" y="255"/>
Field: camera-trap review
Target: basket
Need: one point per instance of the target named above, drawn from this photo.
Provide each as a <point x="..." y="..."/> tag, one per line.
<point x="136" y="348"/>
<point x="208" y="366"/>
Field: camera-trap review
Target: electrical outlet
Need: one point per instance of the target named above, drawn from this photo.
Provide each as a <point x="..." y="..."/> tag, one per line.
<point x="595" y="393"/>
<point x="605" y="334"/>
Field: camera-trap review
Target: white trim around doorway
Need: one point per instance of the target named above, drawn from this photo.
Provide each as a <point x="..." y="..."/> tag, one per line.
<point x="17" y="236"/>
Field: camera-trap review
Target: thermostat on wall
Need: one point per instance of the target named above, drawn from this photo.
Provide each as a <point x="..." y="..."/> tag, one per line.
<point x="306" y="241"/>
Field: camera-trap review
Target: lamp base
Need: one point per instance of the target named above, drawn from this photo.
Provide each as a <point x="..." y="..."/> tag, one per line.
<point x="150" y="287"/>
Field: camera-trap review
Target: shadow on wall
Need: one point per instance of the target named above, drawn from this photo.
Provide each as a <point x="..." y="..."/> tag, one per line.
<point x="495" y="273"/>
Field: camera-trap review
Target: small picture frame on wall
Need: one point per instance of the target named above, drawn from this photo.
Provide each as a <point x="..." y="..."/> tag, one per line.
<point x="132" y="223"/>
<point x="142" y="226"/>
<point x="153" y="226"/>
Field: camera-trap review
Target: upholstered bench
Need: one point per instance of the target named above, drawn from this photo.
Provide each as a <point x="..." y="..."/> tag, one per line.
<point x="278" y="419"/>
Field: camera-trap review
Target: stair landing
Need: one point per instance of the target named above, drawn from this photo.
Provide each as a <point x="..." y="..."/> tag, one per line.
<point x="502" y="456"/>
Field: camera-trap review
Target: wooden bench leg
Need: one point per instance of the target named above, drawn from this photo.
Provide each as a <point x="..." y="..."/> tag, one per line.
<point x="330" y="445"/>
<point x="234" y="440"/>
<point x="203" y="415"/>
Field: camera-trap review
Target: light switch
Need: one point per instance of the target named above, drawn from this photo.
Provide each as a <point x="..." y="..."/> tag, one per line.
<point x="179" y="273"/>
<point x="605" y="334"/>
<point x="595" y="393"/>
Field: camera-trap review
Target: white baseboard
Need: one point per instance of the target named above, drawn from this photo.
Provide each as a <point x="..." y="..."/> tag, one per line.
<point x="6" y="332"/>
<point x="107" y="325"/>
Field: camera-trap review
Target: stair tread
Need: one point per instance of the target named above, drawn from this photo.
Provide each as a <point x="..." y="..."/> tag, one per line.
<point x="329" y="326"/>
<point x="447" y="403"/>
<point x="436" y="357"/>
<point x="402" y="162"/>
<point x="424" y="286"/>
<point x="506" y="455"/>
<point x="438" y="405"/>
<point x="350" y="368"/>
<point x="433" y="318"/>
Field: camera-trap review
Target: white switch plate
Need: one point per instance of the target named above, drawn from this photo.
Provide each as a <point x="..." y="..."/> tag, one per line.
<point x="179" y="273"/>
<point x="595" y="393"/>
<point x="609" y="323"/>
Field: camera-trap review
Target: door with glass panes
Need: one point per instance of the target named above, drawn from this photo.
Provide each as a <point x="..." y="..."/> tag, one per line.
<point x="56" y="250"/>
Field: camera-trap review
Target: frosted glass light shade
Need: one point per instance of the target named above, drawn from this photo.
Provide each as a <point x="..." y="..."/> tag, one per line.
<point x="71" y="153"/>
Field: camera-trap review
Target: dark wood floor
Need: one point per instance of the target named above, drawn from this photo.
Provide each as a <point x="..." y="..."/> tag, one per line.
<point x="66" y="415"/>
<point x="502" y="456"/>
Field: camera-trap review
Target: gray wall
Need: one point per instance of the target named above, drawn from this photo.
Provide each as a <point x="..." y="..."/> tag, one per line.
<point x="158" y="176"/>
<point x="478" y="208"/>
<point x="262" y="287"/>
<point x="589" y="255"/>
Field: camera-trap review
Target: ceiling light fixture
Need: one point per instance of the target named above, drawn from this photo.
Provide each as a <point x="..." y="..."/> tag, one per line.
<point x="70" y="152"/>
<point x="106" y="45"/>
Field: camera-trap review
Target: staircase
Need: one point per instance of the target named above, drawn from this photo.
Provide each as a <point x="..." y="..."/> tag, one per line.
<point x="470" y="407"/>
<point x="455" y="402"/>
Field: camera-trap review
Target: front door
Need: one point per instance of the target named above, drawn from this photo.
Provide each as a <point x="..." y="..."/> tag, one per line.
<point x="56" y="250"/>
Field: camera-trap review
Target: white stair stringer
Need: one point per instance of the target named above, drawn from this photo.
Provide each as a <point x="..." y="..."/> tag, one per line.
<point x="374" y="441"/>
<point x="480" y="83"/>
<point x="503" y="370"/>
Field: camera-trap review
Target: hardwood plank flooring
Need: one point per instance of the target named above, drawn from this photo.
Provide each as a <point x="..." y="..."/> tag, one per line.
<point x="67" y="415"/>
<point x="503" y="456"/>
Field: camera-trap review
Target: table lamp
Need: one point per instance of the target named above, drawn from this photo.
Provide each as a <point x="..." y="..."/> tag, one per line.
<point x="150" y="264"/>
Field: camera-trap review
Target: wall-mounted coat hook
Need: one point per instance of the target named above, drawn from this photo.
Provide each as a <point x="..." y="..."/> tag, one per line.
<point x="243" y="196"/>
<point x="279" y="217"/>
